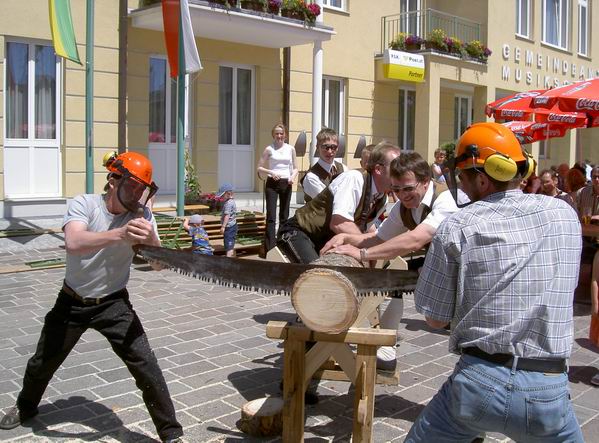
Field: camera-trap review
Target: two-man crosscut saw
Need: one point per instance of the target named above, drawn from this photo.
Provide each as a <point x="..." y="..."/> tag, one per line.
<point x="273" y="277"/>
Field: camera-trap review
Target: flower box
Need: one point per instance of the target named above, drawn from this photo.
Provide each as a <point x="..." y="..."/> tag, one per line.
<point x="253" y="5"/>
<point x="290" y="13"/>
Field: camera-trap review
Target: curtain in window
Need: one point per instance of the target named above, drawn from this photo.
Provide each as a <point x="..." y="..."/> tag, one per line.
<point x="45" y="92"/>
<point x="225" y="105"/>
<point x="563" y="21"/>
<point x="522" y="17"/>
<point x="551" y="21"/>
<point x="582" y="29"/>
<point x="17" y="90"/>
<point x="334" y="114"/>
<point x="244" y="106"/>
<point x="410" y="120"/>
<point x="157" y="100"/>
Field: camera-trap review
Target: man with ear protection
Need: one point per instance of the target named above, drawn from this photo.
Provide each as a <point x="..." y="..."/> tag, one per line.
<point x="502" y="271"/>
<point x="100" y="232"/>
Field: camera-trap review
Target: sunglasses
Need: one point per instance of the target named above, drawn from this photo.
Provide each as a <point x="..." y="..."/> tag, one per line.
<point x="329" y="147"/>
<point x="407" y="188"/>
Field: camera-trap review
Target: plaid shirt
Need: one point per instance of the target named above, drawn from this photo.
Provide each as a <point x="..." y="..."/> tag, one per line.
<point x="503" y="271"/>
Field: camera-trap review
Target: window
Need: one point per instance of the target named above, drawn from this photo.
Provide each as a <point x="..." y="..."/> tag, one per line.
<point x="523" y="18"/>
<point x="544" y="149"/>
<point x="583" y="27"/>
<point x="406" y="119"/>
<point x="333" y="104"/>
<point x="31" y="100"/>
<point x="335" y="4"/>
<point x="556" y="16"/>
<point x="409" y="22"/>
<point x="163" y="90"/>
<point x="235" y="106"/>
<point x="462" y="117"/>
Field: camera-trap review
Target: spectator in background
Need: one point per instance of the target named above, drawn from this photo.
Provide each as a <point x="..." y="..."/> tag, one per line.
<point x="549" y="183"/>
<point x="562" y="171"/>
<point x="200" y="242"/>
<point x="278" y="163"/>
<point x="575" y="180"/>
<point x="533" y="185"/>
<point x="437" y="166"/>
<point x="365" y="155"/>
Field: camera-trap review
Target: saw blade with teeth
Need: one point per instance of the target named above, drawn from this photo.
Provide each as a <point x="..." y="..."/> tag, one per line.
<point x="273" y="277"/>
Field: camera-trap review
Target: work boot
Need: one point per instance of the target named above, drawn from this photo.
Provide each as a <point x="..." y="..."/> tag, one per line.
<point x="14" y="417"/>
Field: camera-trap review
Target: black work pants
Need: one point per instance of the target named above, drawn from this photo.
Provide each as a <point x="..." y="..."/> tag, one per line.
<point x="296" y="244"/>
<point x="116" y="320"/>
<point x="281" y="190"/>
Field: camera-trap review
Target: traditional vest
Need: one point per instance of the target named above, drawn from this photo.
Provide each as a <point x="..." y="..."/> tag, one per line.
<point x="406" y="214"/>
<point x="322" y="175"/>
<point x="315" y="216"/>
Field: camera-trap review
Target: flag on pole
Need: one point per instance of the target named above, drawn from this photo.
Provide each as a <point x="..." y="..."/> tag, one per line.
<point x="61" y="25"/>
<point x="173" y="12"/>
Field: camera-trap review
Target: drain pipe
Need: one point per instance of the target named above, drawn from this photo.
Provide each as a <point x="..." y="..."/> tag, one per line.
<point x="122" y="94"/>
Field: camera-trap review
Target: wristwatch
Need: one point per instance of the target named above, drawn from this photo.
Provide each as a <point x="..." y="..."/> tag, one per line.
<point x="364" y="255"/>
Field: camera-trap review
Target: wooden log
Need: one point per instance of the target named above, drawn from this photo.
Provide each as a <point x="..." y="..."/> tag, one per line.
<point x="325" y="299"/>
<point x="262" y="417"/>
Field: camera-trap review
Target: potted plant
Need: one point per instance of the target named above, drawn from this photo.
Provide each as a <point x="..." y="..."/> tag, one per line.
<point x="274" y="6"/>
<point x="224" y="3"/>
<point x="295" y="9"/>
<point x="436" y="40"/>
<point x="477" y="50"/>
<point x="312" y="11"/>
<point x="406" y="42"/>
<point x="192" y="185"/>
<point x="455" y="46"/>
<point x="254" y="5"/>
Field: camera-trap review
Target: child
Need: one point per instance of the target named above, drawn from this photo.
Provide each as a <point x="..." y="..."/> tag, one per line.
<point x="228" y="218"/>
<point x="199" y="236"/>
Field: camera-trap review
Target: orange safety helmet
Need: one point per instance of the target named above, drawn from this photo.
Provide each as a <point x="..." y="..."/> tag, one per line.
<point x="495" y="149"/>
<point x="134" y="163"/>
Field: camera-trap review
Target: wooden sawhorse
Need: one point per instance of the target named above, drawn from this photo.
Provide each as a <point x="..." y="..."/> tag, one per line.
<point x="299" y="366"/>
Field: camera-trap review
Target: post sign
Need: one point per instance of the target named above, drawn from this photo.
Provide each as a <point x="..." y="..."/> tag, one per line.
<point x="398" y="65"/>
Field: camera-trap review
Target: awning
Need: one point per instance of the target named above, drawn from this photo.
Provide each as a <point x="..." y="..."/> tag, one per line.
<point x="238" y="26"/>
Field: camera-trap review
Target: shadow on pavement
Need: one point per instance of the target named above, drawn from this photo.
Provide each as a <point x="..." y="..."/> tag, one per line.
<point x="275" y="316"/>
<point x="80" y="412"/>
<point x="582" y="374"/>
<point x="20" y="223"/>
<point x="413" y="324"/>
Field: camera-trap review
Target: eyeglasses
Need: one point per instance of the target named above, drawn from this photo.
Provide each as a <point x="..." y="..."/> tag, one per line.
<point x="329" y="147"/>
<point x="407" y="188"/>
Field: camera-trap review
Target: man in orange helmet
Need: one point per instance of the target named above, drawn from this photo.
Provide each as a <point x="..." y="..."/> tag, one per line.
<point x="502" y="271"/>
<point x="100" y="232"/>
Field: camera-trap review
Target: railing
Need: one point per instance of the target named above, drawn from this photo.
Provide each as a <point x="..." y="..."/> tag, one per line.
<point x="422" y="22"/>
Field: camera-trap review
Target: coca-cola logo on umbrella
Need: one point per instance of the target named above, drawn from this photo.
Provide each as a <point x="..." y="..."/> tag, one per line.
<point x="588" y="104"/>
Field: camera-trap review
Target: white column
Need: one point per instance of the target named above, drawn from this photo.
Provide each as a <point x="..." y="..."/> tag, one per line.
<point x="316" y="96"/>
<point x="317" y="61"/>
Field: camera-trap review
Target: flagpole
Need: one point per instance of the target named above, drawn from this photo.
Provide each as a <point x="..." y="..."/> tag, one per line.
<point x="180" y="126"/>
<point x="89" y="94"/>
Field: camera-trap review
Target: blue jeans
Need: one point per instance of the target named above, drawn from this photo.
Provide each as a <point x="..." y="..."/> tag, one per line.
<point x="484" y="397"/>
<point x="229" y="237"/>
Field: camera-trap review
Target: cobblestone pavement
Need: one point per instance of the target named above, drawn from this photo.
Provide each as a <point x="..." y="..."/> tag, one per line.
<point x="212" y="347"/>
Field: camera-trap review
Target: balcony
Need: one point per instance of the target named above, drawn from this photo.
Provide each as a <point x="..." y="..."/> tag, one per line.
<point x="422" y="22"/>
<point x="238" y="25"/>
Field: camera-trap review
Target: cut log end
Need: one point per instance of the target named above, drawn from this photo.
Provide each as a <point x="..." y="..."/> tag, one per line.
<point x="262" y="417"/>
<point x="325" y="299"/>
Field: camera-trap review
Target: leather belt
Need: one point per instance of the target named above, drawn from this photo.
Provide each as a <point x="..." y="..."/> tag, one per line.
<point x="88" y="301"/>
<point x="554" y="366"/>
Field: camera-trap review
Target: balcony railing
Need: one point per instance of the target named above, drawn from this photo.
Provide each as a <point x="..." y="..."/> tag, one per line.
<point x="422" y="22"/>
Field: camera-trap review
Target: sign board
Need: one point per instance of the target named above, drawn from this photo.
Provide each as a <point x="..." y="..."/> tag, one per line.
<point x="398" y="65"/>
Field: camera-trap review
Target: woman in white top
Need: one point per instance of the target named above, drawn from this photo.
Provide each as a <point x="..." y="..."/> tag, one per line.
<point x="279" y="165"/>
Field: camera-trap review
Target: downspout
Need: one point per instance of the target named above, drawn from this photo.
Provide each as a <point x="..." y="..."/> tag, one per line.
<point x="122" y="98"/>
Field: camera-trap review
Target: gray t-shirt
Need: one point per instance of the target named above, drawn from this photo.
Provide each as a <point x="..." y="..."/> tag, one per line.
<point x="106" y="271"/>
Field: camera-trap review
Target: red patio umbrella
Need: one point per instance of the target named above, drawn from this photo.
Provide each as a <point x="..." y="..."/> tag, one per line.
<point x="582" y="96"/>
<point x="530" y="132"/>
<point x="513" y="107"/>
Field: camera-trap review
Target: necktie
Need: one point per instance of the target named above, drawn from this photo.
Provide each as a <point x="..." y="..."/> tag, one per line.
<point x="332" y="171"/>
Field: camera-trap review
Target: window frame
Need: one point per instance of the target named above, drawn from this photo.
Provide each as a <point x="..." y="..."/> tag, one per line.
<point x="326" y="79"/>
<point x="234" y="107"/>
<point x="519" y="21"/>
<point x="405" y="24"/>
<point x="543" y="149"/>
<point x="31" y="142"/>
<point x="168" y="130"/>
<point x="583" y="4"/>
<point x="458" y="114"/>
<point x="343" y="7"/>
<point x="404" y="123"/>
<point x="564" y="45"/>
